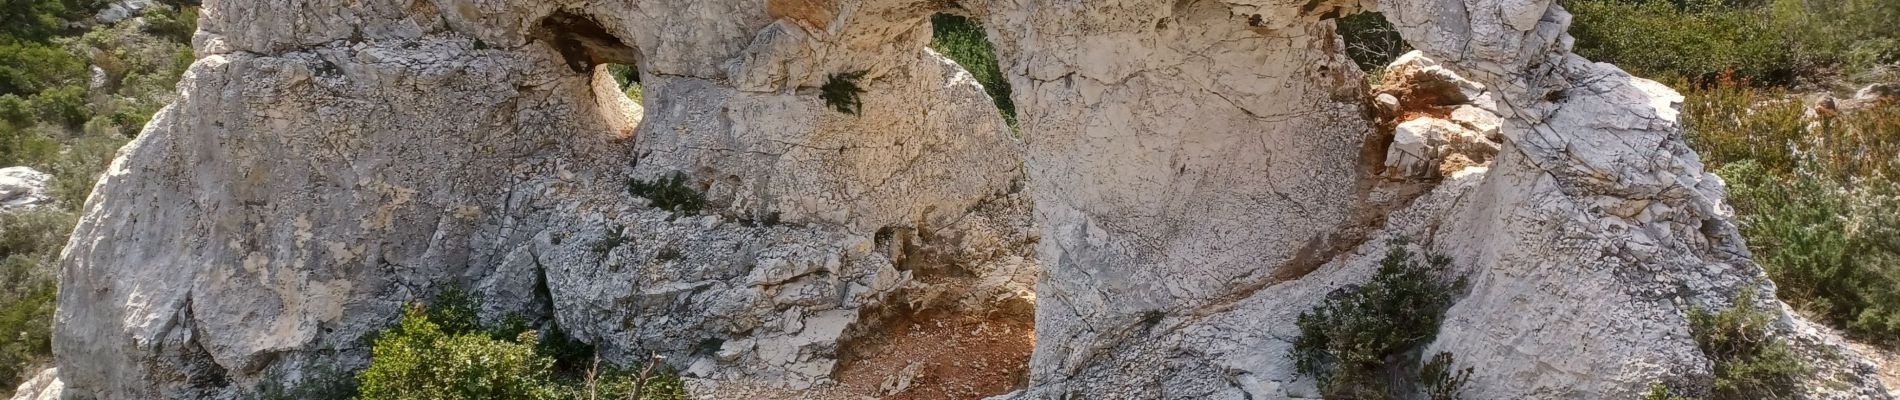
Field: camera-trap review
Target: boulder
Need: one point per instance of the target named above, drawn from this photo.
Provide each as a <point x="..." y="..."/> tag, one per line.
<point x="42" y="386"/>
<point x="23" y="187"/>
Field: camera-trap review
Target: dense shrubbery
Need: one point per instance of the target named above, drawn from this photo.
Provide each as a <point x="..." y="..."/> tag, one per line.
<point x="442" y="352"/>
<point x="1816" y="208"/>
<point x="29" y="242"/>
<point x="1762" y="41"/>
<point x="1360" y="337"/>
<point x="1749" y="362"/>
<point x="963" y="40"/>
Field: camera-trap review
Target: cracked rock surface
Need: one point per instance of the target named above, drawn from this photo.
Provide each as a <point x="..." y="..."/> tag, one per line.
<point x="1191" y="175"/>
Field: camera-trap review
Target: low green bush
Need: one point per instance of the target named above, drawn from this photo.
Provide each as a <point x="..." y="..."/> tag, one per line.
<point x="443" y="352"/>
<point x="1360" y="337"/>
<point x="1816" y="207"/>
<point x="963" y="40"/>
<point x="419" y="360"/>
<point x="29" y="245"/>
<point x="1659" y="391"/>
<point x="1761" y="42"/>
<point x="1749" y="362"/>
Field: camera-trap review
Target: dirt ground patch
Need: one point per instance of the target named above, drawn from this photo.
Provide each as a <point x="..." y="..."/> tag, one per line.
<point x="937" y="357"/>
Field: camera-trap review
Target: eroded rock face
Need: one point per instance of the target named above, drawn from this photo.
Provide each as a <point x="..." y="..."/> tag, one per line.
<point x="1201" y="172"/>
<point x="1586" y="239"/>
<point x="323" y="168"/>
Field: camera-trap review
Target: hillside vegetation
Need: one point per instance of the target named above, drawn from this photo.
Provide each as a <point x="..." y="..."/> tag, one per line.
<point x="1814" y="195"/>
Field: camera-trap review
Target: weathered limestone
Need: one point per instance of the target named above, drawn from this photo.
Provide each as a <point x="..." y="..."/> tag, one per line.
<point x="43" y="386"/>
<point x="23" y="187"/>
<point x="1201" y="172"/>
<point x="1586" y="239"/>
<point x="328" y="163"/>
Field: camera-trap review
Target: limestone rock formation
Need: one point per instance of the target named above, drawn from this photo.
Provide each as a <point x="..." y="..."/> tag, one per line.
<point x="23" y="187"/>
<point x="1200" y="171"/>
<point x="43" y="386"/>
<point x="322" y="169"/>
<point x="1204" y="175"/>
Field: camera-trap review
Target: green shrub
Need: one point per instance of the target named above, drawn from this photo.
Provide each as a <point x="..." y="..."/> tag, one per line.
<point x="1659" y="391"/>
<point x="841" y="91"/>
<point x="1749" y="362"/>
<point x="963" y="40"/>
<point x="1694" y="39"/>
<point x="419" y="360"/>
<point x="176" y="23"/>
<point x="669" y="193"/>
<point x="628" y="77"/>
<point x="1441" y="377"/>
<point x="1359" y="337"/>
<point x="422" y="358"/>
<point x="27" y="68"/>
<point x="30" y="242"/>
<point x="1761" y="41"/>
<point x="1816" y="208"/>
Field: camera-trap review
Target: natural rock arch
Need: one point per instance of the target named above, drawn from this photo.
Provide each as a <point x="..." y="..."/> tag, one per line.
<point x="1200" y="171"/>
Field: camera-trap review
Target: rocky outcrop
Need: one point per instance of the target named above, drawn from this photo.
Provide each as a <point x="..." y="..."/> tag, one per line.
<point x="43" y="386"/>
<point x="322" y="169"/>
<point x="23" y="187"/>
<point x="1204" y="176"/>
<point x="1200" y="173"/>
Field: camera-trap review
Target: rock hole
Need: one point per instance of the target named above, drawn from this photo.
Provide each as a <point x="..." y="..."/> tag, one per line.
<point x="964" y="40"/>
<point x="584" y="43"/>
<point x="621" y="98"/>
<point x="1371" y="41"/>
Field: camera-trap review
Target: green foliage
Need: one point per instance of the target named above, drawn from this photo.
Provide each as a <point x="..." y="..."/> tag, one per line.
<point x="1441" y="377"/>
<point x="1749" y="362"/>
<point x="1816" y="208"/>
<point x="1659" y="391"/>
<point x="174" y="23"/>
<point x="422" y="358"/>
<point x="1371" y="41"/>
<point x="669" y="193"/>
<point x="841" y="91"/>
<point x="418" y="359"/>
<point x="27" y="68"/>
<point x="455" y="311"/>
<point x="1764" y="41"/>
<point x="963" y="40"/>
<point x="29" y="245"/>
<point x="1355" y="340"/>
<point x="628" y="77"/>
<point x="37" y="20"/>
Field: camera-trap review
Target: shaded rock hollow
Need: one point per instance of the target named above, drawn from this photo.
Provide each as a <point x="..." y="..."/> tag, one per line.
<point x="1200" y="171"/>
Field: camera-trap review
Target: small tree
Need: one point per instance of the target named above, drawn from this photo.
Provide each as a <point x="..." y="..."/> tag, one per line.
<point x="1352" y="341"/>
